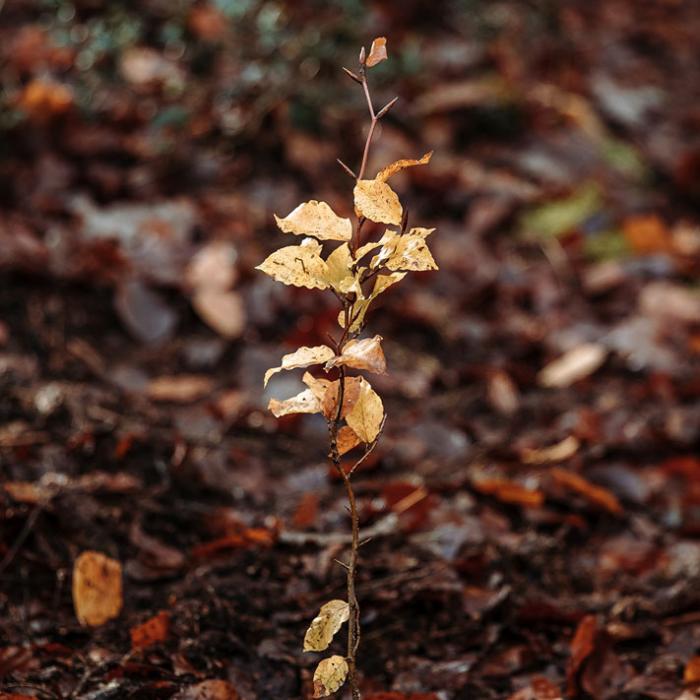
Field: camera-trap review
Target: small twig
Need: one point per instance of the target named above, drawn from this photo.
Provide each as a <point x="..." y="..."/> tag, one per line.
<point x="347" y="168"/>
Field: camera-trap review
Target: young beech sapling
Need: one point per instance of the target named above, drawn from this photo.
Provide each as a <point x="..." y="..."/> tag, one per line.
<point x="357" y="271"/>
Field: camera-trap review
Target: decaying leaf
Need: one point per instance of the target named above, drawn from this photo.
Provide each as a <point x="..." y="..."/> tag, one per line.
<point x="303" y="357"/>
<point x="364" y="354"/>
<point x="367" y="415"/>
<point x="385" y="173"/>
<point x="97" y="588"/>
<point x="316" y="219"/>
<point x="152" y="631"/>
<point x="411" y="252"/>
<point x="347" y="439"/>
<point x="298" y="265"/>
<point x="329" y="676"/>
<point x="339" y="264"/>
<point x="376" y="201"/>
<point x="324" y="626"/>
<point x="377" y="52"/>
<point x="221" y="309"/>
<point x="303" y="402"/>
<point x="576" y="364"/>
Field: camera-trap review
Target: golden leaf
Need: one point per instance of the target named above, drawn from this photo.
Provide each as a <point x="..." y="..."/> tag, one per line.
<point x="399" y="165"/>
<point x="97" y="588"/>
<point x="367" y="414"/>
<point x="377" y="52"/>
<point x="304" y="402"/>
<point x="411" y="252"/>
<point x="316" y="219"/>
<point x="324" y="626"/>
<point x="383" y="282"/>
<point x="357" y="314"/>
<point x="376" y="201"/>
<point x="298" y="265"/>
<point x="303" y="357"/>
<point x="347" y="439"/>
<point x="318" y="386"/>
<point x="329" y="676"/>
<point x="339" y="264"/>
<point x="364" y="354"/>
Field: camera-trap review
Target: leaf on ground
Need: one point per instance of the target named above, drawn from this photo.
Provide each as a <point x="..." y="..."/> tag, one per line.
<point x="376" y="201"/>
<point x="582" y="646"/>
<point x="510" y="492"/>
<point x="303" y="402"/>
<point x="213" y="689"/>
<point x="347" y="440"/>
<point x="303" y="357"/>
<point x="325" y="625"/>
<point x="222" y="310"/>
<point x="367" y="415"/>
<point x="411" y="252"/>
<point x="316" y="219"/>
<point x="560" y="452"/>
<point x="574" y="365"/>
<point x="385" y="173"/>
<point x="377" y="52"/>
<point x="97" y="588"/>
<point x="595" y="495"/>
<point x="364" y="354"/>
<point x="152" y="631"/>
<point x="329" y="676"/>
<point x="298" y="265"/>
<point x="213" y="267"/>
<point x="183" y="388"/>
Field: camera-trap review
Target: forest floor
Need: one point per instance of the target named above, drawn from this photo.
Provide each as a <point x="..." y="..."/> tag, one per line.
<point x="534" y="504"/>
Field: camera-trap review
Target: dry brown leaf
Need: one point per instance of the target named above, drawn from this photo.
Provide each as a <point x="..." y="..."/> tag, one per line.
<point x="367" y="415"/>
<point x="364" y="354"/>
<point x="347" y="439"/>
<point x="351" y="394"/>
<point x="596" y="495"/>
<point x="213" y="689"/>
<point x="377" y="52"/>
<point x="303" y="402"/>
<point x="316" y="219"/>
<point x="329" y="676"/>
<point x="574" y="365"/>
<point x="324" y="626"/>
<point x="303" y="357"/>
<point x="182" y="388"/>
<point x="376" y="201"/>
<point x="411" y="252"/>
<point x="510" y="492"/>
<point x="298" y="265"/>
<point x="222" y="310"/>
<point x="97" y="588"/>
<point x="554" y="453"/>
<point x="385" y="173"/>
<point x="152" y="631"/>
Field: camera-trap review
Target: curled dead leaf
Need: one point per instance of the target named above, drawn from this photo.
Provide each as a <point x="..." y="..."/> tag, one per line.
<point x="376" y="201"/>
<point x="97" y="588"/>
<point x="595" y="495"/>
<point x="377" y="52"/>
<point x="329" y="676"/>
<point x="316" y="219"/>
<point x="364" y="354"/>
<point x="325" y="625"/>
<point x="303" y="357"/>
<point x="385" y="173"/>
<point x="297" y="265"/>
<point x="367" y="415"/>
<point x="304" y="402"/>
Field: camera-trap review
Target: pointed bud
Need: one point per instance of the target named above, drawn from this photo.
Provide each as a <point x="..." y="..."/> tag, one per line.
<point x="363" y="56"/>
